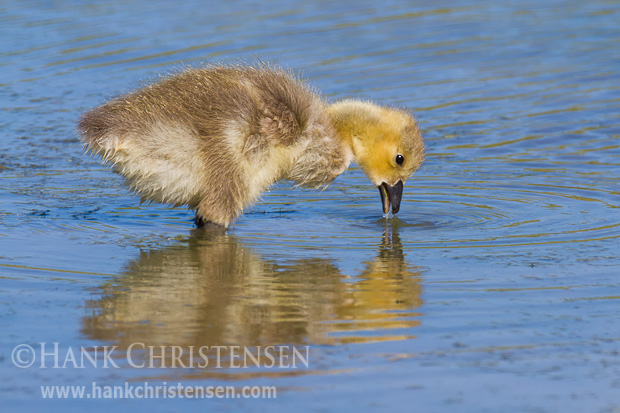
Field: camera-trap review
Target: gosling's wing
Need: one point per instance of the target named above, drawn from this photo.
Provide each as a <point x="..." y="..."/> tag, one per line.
<point x="283" y="107"/>
<point x="291" y="116"/>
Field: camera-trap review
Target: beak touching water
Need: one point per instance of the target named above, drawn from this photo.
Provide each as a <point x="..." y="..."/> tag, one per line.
<point x="391" y="194"/>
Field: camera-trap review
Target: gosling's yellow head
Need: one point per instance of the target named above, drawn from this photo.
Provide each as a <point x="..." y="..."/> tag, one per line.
<point x="386" y="144"/>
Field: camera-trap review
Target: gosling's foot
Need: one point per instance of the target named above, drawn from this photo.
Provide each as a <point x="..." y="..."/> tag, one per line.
<point x="202" y="223"/>
<point x="199" y="222"/>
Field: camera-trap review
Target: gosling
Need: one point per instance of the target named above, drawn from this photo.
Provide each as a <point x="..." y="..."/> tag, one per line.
<point x="215" y="138"/>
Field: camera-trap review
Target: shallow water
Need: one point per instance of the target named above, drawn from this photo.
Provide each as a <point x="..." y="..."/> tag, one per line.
<point x="495" y="288"/>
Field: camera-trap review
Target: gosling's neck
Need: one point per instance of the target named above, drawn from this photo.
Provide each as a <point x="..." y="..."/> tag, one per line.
<point x="352" y="120"/>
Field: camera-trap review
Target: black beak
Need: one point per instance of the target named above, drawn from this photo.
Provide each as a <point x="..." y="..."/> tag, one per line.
<point x="391" y="194"/>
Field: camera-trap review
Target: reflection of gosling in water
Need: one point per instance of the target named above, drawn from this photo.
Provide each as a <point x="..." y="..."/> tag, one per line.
<point x="216" y="138"/>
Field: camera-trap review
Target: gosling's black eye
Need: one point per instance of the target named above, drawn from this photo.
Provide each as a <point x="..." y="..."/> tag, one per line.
<point x="400" y="159"/>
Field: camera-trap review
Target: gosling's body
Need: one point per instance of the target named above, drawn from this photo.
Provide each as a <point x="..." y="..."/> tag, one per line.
<point x="216" y="138"/>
